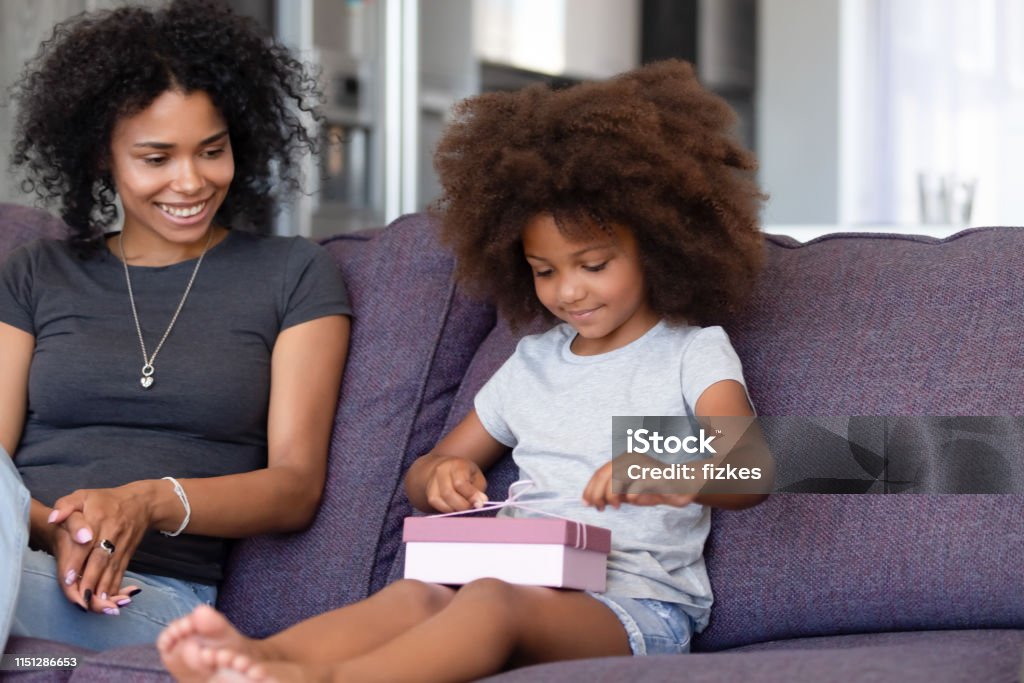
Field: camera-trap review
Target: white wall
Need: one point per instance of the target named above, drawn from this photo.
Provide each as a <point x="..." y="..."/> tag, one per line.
<point x="580" y="38"/>
<point x="798" y="128"/>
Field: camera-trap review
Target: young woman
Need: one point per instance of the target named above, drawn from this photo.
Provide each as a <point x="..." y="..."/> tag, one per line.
<point x="171" y="384"/>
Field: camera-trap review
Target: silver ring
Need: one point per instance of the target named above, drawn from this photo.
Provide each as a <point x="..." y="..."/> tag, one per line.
<point x="107" y="546"/>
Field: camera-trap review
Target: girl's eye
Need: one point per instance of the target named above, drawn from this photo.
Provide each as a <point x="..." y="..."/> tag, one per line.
<point x="594" y="269"/>
<point x="153" y="161"/>
<point x="541" y="273"/>
<point x="213" y="153"/>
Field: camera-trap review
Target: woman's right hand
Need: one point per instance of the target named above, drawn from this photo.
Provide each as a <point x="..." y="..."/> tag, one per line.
<point x="70" y="542"/>
<point x="456" y="484"/>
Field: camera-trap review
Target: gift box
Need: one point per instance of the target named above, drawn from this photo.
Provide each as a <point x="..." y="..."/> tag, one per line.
<point x="539" y="552"/>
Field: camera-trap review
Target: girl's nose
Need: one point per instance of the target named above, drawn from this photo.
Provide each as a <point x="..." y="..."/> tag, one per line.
<point x="570" y="290"/>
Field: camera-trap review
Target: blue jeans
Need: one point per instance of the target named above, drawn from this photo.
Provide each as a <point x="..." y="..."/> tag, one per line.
<point x="42" y="611"/>
<point x="14" y="502"/>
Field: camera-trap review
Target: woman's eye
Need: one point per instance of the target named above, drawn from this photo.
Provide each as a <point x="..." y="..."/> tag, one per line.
<point x="595" y="268"/>
<point x="213" y="153"/>
<point x="153" y="161"/>
<point x="541" y="273"/>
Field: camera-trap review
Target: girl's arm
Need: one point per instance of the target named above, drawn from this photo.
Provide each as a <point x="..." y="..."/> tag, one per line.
<point x="450" y="477"/>
<point x="722" y="399"/>
<point x="728" y="399"/>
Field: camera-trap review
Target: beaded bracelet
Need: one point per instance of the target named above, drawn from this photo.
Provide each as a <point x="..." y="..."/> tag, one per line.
<point x="184" y="501"/>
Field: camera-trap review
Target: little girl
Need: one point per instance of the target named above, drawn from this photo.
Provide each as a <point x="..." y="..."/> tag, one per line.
<point x="626" y="211"/>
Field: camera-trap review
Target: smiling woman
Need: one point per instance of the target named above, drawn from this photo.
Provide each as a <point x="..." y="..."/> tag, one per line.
<point x="191" y="119"/>
<point x="172" y="166"/>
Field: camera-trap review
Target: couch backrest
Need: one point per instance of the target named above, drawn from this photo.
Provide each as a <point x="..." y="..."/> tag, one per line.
<point x="842" y="326"/>
<point x="413" y="336"/>
<point x="879" y="325"/>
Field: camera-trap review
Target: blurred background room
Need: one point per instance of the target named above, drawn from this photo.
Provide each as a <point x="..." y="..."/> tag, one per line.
<point x="876" y="115"/>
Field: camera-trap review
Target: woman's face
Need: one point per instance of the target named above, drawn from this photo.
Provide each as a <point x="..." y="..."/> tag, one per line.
<point x="172" y="166"/>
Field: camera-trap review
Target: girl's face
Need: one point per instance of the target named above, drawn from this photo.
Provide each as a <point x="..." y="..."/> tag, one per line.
<point x="172" y="166"/>
<point x="596" y="285"/>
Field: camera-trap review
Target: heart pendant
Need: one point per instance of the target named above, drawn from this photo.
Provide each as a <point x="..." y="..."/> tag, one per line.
<point x="147" y="382"/>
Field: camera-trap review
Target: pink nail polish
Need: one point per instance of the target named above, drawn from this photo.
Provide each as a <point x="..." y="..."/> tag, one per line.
<point x="103" y="596"/>
<point x="52" y="517"/>
<point x="111" y="611"/>
<point x="69" y="578"/>
<point x="122" y="603"/>
<point x="83" y="536"/>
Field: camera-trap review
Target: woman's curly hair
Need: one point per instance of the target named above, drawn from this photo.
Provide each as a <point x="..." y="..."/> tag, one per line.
<point x="99" y="67"/>
<point x="650" y="150"/>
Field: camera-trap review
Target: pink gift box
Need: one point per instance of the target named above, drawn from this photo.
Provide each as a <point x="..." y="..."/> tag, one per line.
<point x="535" y="552"/>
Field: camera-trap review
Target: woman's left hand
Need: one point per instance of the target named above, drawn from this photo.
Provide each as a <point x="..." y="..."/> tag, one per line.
<point x="119" y="518"/>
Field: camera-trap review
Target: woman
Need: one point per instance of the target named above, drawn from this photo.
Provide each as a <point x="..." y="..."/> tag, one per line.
<point x="172" y="384"/>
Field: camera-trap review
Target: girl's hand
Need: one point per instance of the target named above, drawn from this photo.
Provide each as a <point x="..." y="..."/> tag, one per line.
<point x="599" y="493"/>
<point x="118" y="516"/>
<point x="456" y="484"/>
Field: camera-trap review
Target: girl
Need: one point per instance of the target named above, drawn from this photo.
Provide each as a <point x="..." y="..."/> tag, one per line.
<point x="623" y="210"/>
<point x="171" y="384"/>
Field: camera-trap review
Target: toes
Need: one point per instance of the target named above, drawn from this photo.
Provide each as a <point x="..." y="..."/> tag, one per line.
<point x="224" y="657"/>
<point x="173" y="633"/>
<point x="192" y="656"/>
<point x="209" y="622"/>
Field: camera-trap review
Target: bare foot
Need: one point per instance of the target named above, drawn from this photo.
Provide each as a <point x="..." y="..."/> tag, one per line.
<point x="246" y="671"/>
<point x="194" y="647"/>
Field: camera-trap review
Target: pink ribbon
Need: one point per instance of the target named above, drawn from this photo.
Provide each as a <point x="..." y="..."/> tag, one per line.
<point x="513" y="502"/>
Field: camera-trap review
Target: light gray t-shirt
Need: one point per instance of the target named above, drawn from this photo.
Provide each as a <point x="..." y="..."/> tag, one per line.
<point x="90" y="424"/>
<point x="555" y="408"/>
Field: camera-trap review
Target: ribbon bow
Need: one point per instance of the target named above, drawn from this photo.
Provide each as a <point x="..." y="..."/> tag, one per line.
<point x="515" y="492"/>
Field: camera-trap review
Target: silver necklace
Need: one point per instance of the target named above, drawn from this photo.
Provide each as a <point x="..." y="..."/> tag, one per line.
<point x="147" y="361"/>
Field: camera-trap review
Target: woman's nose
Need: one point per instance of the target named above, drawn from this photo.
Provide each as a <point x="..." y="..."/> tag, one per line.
<point x="188" y="180"/>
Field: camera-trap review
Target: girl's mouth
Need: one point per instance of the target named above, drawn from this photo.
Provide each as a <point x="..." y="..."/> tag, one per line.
<point x="582" y="314"/>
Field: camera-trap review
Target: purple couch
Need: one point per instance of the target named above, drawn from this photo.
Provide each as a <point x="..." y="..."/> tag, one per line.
<point x="822" y="588"/>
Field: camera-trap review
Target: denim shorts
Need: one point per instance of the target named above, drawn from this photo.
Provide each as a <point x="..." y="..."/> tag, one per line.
<point x="654" y="627"/>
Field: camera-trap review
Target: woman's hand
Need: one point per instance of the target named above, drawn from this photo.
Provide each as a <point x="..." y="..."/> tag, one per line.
<point x="456" y="484"/>
<point x="70" y="543"/>
<point x="116" y="518"/>
<point x="599" y="491"/>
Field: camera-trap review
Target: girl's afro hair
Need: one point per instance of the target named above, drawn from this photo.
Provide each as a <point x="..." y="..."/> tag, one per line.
<point x="650" y="150"/>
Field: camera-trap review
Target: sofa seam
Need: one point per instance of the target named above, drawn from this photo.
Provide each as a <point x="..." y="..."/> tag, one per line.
<point x="793" y="243"/>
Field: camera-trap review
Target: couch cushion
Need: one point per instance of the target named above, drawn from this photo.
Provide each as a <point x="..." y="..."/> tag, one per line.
<point x="1000" y="640"/>
<point x="412" y="338"/>
<point x="925" y="658"/>
<point x="877" y="325"/>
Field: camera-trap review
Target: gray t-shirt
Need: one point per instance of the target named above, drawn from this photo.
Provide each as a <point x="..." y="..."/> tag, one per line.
<point x="555" y="408"/>
<point x="90" y="423"/>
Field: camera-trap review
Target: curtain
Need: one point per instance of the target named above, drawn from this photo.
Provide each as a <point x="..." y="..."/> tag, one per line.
<point x="944" y="116"/>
